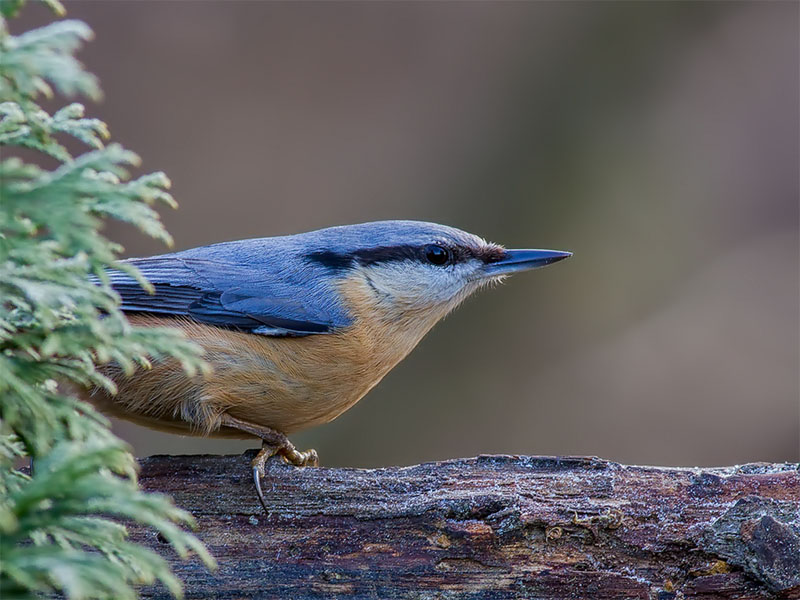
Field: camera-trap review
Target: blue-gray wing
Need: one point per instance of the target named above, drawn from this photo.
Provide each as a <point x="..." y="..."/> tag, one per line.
<point x="230" y="294"/>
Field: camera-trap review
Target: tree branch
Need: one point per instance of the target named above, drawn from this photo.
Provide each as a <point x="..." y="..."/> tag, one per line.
<point x="487" y="527"/>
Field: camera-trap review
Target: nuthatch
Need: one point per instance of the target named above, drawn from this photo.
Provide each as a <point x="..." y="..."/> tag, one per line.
<point x="298" y="328"/>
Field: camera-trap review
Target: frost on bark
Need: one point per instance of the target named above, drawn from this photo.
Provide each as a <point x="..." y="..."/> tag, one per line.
<point x="488" y="527"/>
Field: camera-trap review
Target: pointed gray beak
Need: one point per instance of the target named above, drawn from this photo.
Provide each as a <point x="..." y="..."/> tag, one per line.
<point x="524" y="260"/>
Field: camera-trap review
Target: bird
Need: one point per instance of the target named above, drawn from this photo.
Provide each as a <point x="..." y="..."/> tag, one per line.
<point x="296" y="328"/>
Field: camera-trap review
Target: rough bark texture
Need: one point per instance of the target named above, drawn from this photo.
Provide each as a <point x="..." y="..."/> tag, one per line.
<point x="487" y="527"/>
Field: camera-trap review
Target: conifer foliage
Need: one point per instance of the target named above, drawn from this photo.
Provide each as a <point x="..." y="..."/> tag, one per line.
<point x="62" y="528"/>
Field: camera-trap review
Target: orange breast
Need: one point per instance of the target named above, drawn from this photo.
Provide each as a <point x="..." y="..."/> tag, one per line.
<point x="287" y="384"/>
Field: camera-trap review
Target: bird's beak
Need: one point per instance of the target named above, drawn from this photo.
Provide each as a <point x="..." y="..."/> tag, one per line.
<point x="524" y="260"/>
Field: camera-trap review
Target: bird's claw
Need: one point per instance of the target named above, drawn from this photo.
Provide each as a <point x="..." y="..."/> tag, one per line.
<point x="289" y="453"/>
<point x="258" y="463"/>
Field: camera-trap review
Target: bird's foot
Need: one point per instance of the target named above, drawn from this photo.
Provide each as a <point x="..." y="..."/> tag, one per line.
<point x="272" y="442"/>
<point x="293" y="456"/>
<point x="289" y="453"/>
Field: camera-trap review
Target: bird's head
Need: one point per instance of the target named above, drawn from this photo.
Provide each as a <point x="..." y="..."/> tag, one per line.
<point x="415" y="269"/>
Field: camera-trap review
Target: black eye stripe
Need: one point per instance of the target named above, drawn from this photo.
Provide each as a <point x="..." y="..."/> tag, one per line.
<point x="333" y="260"/>
<point x="384" y="254"/>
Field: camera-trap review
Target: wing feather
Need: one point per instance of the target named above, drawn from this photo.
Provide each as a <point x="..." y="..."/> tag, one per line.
<point x="228" y="294"/>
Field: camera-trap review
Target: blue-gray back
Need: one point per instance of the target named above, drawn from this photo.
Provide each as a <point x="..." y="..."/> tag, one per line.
<point x="269" y="286"/>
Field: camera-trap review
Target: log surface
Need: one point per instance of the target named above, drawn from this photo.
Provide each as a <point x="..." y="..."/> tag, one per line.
<point x="489" y="527"/>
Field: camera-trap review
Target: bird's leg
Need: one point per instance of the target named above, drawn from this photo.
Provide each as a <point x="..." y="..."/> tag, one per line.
<point x="272" y="443"/>
<point x="274" y="440"/>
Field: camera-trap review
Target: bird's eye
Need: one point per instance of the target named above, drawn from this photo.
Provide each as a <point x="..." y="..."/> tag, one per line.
<point x="437" y="255"/>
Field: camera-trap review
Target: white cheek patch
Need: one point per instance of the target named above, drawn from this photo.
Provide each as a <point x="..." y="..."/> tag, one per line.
<point x="410" y="285"/>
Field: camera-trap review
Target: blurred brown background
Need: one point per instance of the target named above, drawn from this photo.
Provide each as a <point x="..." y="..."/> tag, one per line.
<point x="658" y="141"/>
